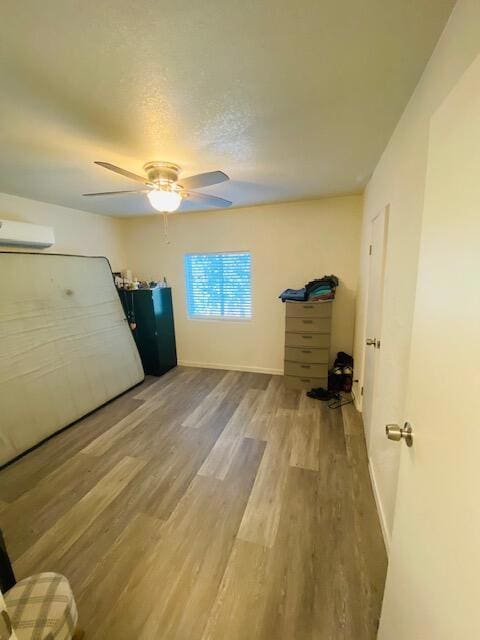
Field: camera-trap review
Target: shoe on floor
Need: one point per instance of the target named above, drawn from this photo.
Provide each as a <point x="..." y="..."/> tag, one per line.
<point x="319" y="394"/>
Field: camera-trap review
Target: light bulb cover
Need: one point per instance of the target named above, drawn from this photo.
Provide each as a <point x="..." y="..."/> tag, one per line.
<point x="165" y="201"/>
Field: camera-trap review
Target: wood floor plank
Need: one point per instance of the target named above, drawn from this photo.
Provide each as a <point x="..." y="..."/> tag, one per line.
<point x="309" y="405"/>
<point x="259" y="425"/>
<point x="260" y="521"/>
<point x="347" y="610"/>
<point x="292" y="571"/>
<point x="112" y="569"/>
<point x="239" y="609"/>
<point x="333" y="429"/>
<point x="104" y="442"/>
<point x="332" y="615"/>
<point x="352" y="421"/>
<point x="305" y="438"/>
<point x="67" y="529"/>
<point x="202" y="414"/>
<point x="289" y="398"/>
<point x="226" y="447"/>
<point x="369" y="544"/>
<point x="260" y="380"/>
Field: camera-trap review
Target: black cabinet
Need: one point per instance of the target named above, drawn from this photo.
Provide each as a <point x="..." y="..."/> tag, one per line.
<point x="152" y="312"/>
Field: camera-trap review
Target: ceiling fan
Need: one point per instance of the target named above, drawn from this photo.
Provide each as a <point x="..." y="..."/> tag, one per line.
<point x="163" y="188"/>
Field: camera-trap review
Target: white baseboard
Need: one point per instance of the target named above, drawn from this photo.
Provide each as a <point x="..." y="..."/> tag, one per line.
<point x="230" y="367"/>
<point x="381" y="513"/>
<point x="357" y="396"/>
<point x="357" y="403"/>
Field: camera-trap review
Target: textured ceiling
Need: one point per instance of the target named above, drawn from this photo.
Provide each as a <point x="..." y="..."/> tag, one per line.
<point x="293" y="99"/>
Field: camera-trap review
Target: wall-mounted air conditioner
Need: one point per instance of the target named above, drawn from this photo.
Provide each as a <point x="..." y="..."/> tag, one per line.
<point x="23" y="234"/>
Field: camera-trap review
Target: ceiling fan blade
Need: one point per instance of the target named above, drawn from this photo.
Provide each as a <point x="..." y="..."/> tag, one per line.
<point x="208" y="201"/>
<point x="203" y="179"/>
<point x="123" y="172"/>
<point x="116" y="193"/>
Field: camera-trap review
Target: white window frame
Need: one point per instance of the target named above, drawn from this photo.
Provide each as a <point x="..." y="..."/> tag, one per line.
<point x="207" y="318"/>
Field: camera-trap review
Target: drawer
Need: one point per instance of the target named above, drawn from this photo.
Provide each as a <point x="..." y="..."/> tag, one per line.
<point x="304" y="369"/>
<point x="309" y="325"/>
<point x="314" y="340"/>
<point x="297" y="354"/>
<point x="305" y="382"/>
<point x="309" y="309"/>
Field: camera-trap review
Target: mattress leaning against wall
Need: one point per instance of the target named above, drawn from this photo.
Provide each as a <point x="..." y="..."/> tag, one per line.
<point x="65" y="345"/>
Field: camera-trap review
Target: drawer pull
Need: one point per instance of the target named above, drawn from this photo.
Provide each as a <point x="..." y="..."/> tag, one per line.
<point x="306" y="351"/>
<point x="305" y="379"/>
<point x="308" y="306"/>
<point x="307" y="321"/>
<point x="307" y="337"/>
<point x="306" y="366"/>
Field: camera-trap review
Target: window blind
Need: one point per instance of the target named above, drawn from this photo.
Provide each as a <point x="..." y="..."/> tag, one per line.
<point x="219" y="285"/>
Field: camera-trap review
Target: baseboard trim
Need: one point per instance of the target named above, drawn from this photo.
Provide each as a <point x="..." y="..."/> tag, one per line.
<point x="381" y="513"/>
<point x="230" y="367"/>
<point x="357" y="402"/>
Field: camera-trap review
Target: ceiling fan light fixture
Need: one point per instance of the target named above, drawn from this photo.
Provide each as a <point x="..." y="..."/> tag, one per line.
<point x="165" y="201"/>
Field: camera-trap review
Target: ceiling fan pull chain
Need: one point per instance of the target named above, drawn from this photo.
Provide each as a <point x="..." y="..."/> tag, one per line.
<point x="165" y="228"/>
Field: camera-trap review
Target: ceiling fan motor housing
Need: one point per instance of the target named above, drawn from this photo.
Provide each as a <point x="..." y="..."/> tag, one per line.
<point x="162" y="172"/>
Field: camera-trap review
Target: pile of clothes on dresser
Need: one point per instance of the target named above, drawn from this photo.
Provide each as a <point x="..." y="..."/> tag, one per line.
<point x="318" y="289"/>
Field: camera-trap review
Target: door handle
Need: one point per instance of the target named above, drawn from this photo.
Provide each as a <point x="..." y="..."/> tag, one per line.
<point x="372" y="342"/>
<point x="396" y="433"/>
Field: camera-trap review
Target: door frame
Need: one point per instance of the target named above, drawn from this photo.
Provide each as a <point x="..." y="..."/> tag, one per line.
<point x="386" y="211"/>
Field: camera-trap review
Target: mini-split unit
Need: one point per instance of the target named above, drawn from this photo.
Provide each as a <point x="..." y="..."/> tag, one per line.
<point x="23" y="234"/>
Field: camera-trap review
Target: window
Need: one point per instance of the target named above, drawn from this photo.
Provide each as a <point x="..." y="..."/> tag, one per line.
<point x="219" y="285"/>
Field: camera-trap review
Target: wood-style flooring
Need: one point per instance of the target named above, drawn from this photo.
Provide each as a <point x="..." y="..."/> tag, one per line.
<point x="205" y="505"/>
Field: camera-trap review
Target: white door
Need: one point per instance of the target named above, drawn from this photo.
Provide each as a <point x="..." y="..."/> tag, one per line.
<point x="433" y="582"/>
<point x="378" y="245"/>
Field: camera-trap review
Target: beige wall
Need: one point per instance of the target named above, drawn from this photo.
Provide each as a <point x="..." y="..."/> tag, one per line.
<point x="399" y="180"/>
<point x="75" y="231"/>
<point x="290" y="243"/>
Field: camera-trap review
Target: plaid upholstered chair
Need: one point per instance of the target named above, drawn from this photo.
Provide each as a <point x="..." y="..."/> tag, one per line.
<point x="41" y="607"/>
